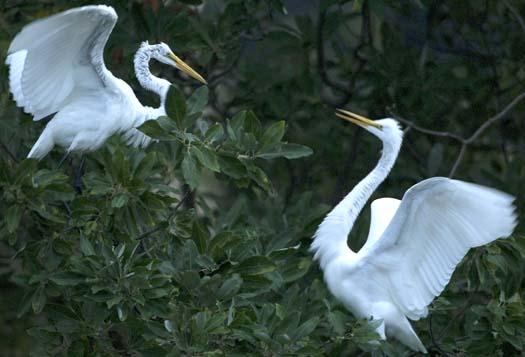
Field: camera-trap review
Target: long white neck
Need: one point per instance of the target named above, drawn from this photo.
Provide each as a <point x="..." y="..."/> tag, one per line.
<point x="330" y="240"/>
<point x="144" y="76"/>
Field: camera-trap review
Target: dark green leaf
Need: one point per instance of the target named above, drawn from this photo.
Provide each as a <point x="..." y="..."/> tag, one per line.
<point x="252" y="124"/>
<point x="206" y="157"/>
<point x="153" y="129"/>
<point x="86" y="247"/>
<point x="435" y="159"/>
<point x="67" y="279"/>
<point x="255" y="266"/>
<point x="119" y="200"/>
<point x="176" y="105"/>
<point x="306" y="328"/>
<point x="198" y="100"/>
<point x="274" y="133"/>
<point x="201" y="237"/>
<point x="12" y="218"/>
<point x="39" y="300"/>
<point x="230" y="287"/>
<point x="289" y="151"/>
<point x="232" y="167"/>
<point x="214" y="132"/>
<point x="190" y="170"/>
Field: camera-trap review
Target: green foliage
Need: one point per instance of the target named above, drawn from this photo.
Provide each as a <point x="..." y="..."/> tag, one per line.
<point x="198" y="245"/>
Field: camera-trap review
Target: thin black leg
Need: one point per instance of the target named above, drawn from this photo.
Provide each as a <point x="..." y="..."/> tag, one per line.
<point x="63" y="159"/>
<point x="78" y="175"/>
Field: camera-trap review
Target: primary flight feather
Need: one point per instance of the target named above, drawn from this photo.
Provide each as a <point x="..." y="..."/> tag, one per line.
<point x="413" y="245"/>
<point x="57" y="66"/>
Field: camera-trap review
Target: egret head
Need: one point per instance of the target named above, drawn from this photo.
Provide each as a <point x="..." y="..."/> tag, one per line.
<point x="388" y="129"/>
<point x="163" y="53"/>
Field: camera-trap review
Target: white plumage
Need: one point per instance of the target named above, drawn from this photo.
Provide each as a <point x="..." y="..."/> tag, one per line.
<point x="57" y="66"/>
<point x="413" y="245"/>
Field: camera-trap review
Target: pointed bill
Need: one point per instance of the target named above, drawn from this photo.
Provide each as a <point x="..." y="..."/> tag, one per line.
<point x="356" y="118"/>
<point x="186" y="69"/>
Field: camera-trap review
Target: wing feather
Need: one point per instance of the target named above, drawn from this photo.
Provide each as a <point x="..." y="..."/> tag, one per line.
<point x="382" y="212"/>
<point x="436" y="224"/>
<point x="52" y="58"/>
<point x="136" y="138"/>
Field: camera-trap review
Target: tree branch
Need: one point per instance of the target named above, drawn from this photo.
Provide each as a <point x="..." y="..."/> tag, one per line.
<point x="459" y="158"/>
<point x="416" y="127"/>
<point x="464" y="141"/>
<point x="515" y="13"/>
<point x="495" y="118"/>
<point x="214" y="78"/>
<point x="431" y="332"/>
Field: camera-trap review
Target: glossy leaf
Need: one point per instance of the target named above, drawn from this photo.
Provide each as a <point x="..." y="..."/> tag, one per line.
<point x="175" y="105"/>
<point x="190" y="170"/>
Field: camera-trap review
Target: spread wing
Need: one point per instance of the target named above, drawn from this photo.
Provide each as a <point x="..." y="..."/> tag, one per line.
<point x="383" y="210"/>
<point x="436" y="224"/>
<point x="55" y="58"/>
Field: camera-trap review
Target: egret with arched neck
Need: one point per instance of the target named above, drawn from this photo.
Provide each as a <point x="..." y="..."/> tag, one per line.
<point x="57" y="67"/>
<point x="413" y="245"/>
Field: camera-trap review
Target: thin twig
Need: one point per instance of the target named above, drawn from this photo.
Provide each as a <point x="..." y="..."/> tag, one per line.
<point x="516" y="14"/>
<point x="213" y="78"/>
<point x="451" y="322"/>
<point x="158" y="228"/>
<point x="434" y="343"/>
<point x="416" y="127"/>
<point x="495" y="118"/>
<point x="465" y="141"/>
<point x="458" y="160"/>
<point x="482" y="128"/>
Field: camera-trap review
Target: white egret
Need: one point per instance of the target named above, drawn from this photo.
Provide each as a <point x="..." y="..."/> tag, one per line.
<point x="413" y="245"/>
<point x="57" y="66"/>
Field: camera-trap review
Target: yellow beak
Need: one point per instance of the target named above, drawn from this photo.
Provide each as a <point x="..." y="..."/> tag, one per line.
<point x="356" y="118"/>
<point x="185" y="68"/>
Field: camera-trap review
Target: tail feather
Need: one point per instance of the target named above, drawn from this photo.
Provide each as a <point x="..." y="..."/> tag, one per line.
<point x="43" y="146"/>
<point x="408" y="336"/>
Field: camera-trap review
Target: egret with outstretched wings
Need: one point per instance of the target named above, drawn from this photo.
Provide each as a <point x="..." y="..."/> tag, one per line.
<point x="57" y="66"/>
<point x="413" y="245"/>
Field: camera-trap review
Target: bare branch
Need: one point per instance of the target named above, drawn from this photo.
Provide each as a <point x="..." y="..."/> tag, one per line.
<point x="465" y="141"/>
<point x="458" y="160"/>
<point x="431" y="332"/>
<point x="214" y="78"/>
<point x="515" y="13"/>
<point x="416" y="127"/>
<point x="495" y="118"/>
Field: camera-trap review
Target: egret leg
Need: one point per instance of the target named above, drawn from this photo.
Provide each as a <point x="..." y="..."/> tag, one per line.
<point x="63" y="159"/>
<point x="78" y="175"/>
